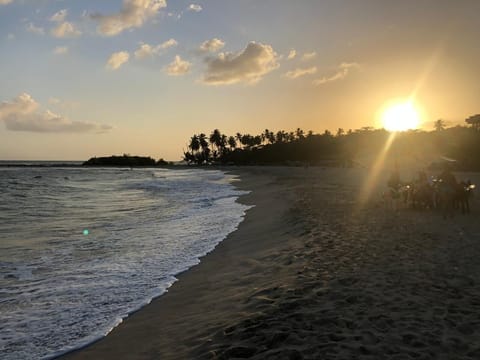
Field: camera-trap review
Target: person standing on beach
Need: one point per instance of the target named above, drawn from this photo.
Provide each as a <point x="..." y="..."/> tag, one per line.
<point x="394" y="184"/>
<point x="447" y="188"/>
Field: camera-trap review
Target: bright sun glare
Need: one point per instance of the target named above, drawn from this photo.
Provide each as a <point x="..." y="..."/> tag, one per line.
<point x="401" y="117"/>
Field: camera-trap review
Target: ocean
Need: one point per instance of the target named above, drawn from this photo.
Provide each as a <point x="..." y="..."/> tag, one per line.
<point x="82" y="248"/>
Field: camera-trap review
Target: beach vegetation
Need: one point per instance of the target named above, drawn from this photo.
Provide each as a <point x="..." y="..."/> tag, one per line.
<point x="342" y="148"/>
<point x="123" y="160"/>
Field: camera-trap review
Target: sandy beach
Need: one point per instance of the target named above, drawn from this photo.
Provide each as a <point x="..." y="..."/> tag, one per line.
<point x="312" y="273"/>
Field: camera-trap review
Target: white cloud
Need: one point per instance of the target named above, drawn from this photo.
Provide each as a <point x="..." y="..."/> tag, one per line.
<point x="248" y="66"/>
<point x="117" y="59"/>
<point x="24" y="114"/>
<point x="133" y="14"/>
<point x="178" y="67"/>
<point x="35" y="30"/>
<point x="10" y="36"/>
<point x="60" y="50"/>
<point x="167" y="44"/>
<point x="65" y="29"/>
<point x="292" y="54"/>
<point x="5" y="2"/>
<point x="301" y="72"/>
<point x="309" y="56"/>
<point x="59" y="16"/>
<point x="212" y="45"/>
<point x="195" y="7"/>
<point x="342" y="71"/>
<point x="146" y="50"/>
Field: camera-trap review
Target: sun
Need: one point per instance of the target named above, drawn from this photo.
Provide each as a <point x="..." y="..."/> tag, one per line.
<point x="401" y="117"/>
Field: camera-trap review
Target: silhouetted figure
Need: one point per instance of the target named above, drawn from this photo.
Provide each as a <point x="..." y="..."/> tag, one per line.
<point x="464" y="193"/>
<point x="394" y="182"/>
<point x="447" y="191"/>
<point x="447" y="176"/>
<point x="421" y="192"/>
<point x="394" y="185"/>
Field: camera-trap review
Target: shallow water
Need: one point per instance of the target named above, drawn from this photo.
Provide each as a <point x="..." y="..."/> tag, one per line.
<point x="81" y="248"/>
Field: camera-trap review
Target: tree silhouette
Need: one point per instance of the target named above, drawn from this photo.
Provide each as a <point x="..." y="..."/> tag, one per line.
<point x="194" y="144"/>
<point x="439" y="125"/>
<point x="344" y="149"/>
<point x="474" y="121"/>
<point x="300" y="134"/>
<point x="232" y="142"/>
<point x="216" y="141"/>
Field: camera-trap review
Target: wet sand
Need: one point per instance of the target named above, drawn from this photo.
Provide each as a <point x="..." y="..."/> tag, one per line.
<point x="311" y="274"/>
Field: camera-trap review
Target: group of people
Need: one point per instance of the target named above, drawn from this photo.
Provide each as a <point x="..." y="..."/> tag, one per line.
<point x="443" y="192"/>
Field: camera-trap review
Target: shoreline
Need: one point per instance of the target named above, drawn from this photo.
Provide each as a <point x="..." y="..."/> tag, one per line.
<point x="246" y="199"/>
<point x="309" y="275"/>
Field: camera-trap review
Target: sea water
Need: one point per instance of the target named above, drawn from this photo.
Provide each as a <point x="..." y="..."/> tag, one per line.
<point x="81" y="248"/>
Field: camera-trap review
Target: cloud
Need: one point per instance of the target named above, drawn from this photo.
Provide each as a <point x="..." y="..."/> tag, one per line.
<point x="10" y="36"/>
<point x="301" y="72"/>
<point x="133" y="14"/>
<point x="292" y="54"/>
<point x="195" y="7"/>
<point x="117" y="59"/>
<point x="342" y="72"/>
<point x="59" y="16"/>
<point x="309" y="56"/>
<point x="35" y="30"/>
<point x="5" y="2"/>
<point x="248" y="66"/>
<point x="146" y="50"/>
<point x="167" y="44"/>
<point x="178" y="67"/>
<point x="65" y="30"/>
<point x="212" y="45"/>
<point x="24" y="114"/>
<point x="60" y="50"/>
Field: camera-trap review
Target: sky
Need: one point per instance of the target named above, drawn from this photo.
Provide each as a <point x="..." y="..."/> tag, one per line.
<point x="96" y="78"/>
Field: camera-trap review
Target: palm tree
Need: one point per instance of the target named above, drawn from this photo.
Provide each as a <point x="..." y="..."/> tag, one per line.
<point x="474" y="120"/>
<point x="245" y="140"/>
<point x="216" y="140"/>
<point x="300" y="134"/>
<point x="205" y="155"/>
<point x="281" y="136"/>
<point x="239" y="137"/>
<point x="439" y="125"/>
<point x="223" y="142"/>
<point x="265" y="135"/>
<point x="194" y="144"/>
<point x="232" y="142"/>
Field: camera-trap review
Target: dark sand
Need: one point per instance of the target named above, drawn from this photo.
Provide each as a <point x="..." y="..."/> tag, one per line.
<point x="311" y="274"/>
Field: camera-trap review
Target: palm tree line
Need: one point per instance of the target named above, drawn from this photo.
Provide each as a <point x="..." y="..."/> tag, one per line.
<point x="341" y="148"/>
<point x="205" y="149"/>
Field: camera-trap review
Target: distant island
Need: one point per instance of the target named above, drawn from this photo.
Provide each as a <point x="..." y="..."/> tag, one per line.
<point x="125" y="160"/>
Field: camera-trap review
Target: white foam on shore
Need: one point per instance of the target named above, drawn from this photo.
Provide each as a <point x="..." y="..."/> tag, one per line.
<point x="71" y="291"/>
